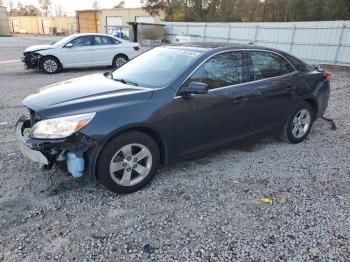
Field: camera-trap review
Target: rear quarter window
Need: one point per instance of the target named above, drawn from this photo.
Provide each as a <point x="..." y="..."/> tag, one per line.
<point x="298" y="64"/>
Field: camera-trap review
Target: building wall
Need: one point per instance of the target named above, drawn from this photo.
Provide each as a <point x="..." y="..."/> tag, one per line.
<point x="127" y="15"/>
<point x="4" y="22"/>
<point x="42" y="24"/>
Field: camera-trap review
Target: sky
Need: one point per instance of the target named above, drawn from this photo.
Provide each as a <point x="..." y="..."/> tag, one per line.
<point x="69" y="6"/>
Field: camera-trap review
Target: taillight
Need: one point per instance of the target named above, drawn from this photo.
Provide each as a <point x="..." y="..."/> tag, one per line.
<point x="136" y="48"/>
<point x="327" y="76"/>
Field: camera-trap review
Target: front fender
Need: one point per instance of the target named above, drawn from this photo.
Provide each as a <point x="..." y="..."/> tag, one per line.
<point x="51" y="52"/>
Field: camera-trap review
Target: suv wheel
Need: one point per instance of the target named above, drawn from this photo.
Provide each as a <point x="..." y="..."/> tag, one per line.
<point x="128" y="162"/>
<point x="119" y="60"/>
<point x="298" y="124"/>
<point x="50" y="65"/>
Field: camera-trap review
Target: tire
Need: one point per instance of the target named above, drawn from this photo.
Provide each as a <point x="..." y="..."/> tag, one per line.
<point x="115" y="164"/>
<point x="119" y="60"/>
<point x="50" y="65"/>
<point x="299" y="124"/>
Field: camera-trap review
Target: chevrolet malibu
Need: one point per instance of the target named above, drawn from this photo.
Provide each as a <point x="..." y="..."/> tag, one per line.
<point x="168" y="104"/>
<point x="80" y="50"/>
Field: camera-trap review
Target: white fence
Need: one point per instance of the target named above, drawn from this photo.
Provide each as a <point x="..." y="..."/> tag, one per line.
<point x="318" y="42"/>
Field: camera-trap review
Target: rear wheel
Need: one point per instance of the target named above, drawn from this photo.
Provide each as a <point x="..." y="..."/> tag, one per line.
<point x="119" y="60"/>
<point x="50" y="65"/>
<point x="128" y="162"/>
<point x="299" y="124"/>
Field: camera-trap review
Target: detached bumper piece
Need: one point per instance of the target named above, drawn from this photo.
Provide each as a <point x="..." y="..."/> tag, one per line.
<point x="34" y="155"/>
<point x="49" y="151"/>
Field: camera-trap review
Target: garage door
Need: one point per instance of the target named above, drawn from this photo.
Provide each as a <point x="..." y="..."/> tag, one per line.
<point x="112" y="24"/>
<point x="145" y="19"/>
<point x="114" y="20"/>
<point x="87" y="22"/>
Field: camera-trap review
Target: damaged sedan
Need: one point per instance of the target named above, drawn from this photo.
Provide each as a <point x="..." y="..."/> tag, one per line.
<point x="80" y="50"/>
<point x="169" y="104"/>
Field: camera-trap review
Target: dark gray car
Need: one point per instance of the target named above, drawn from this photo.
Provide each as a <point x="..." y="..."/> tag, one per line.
<point x="168" y="104"/>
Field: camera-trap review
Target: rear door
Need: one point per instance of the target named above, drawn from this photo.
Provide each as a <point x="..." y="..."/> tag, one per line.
<point x="272" y="81"/>
<point x="104" y="50"/>
<point x="79" y="54"/>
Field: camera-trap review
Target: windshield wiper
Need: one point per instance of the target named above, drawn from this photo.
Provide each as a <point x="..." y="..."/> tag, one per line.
<point x="125" y="81"/>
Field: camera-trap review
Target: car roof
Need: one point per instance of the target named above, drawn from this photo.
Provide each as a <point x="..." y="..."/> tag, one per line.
<point x="83" y="34"/>
<point x="209" y="46"/>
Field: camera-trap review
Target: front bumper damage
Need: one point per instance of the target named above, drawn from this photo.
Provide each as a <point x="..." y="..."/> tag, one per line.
<point x="31" y="60"/>
<point x="74" y="149"/>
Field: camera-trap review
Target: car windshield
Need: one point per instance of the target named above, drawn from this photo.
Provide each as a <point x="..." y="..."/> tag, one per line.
<point x="156" y="68"/>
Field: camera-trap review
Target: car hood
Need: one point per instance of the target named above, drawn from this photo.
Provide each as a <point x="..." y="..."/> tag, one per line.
<point x="90" y="93"/>
<point x="38" y="47"/>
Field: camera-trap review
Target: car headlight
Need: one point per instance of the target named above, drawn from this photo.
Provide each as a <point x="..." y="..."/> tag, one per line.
<point x="60" y="127"/>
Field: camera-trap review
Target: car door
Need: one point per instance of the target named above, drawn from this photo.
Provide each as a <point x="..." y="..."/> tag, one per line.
<point x="207" y="120"/>
<point x="78" y="52"/>
<point x="272" y="82"/>
<point x="104" y="50"/>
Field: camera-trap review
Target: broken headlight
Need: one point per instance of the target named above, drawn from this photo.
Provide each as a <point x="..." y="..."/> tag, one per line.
<point x="36" y="55"/>
<point x="60" y="127"/>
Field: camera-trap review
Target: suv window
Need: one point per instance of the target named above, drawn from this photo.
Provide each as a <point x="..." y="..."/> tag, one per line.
<point x="105" y="40"/>
<point x="222" y="70"/>
<point x="265" y="65"/>
<point x="81" y="41"/>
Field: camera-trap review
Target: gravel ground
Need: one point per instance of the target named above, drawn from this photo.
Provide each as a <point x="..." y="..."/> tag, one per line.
<point x="207" y="209"/>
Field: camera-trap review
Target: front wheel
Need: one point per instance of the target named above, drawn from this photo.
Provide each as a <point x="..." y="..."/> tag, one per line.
<point x="128" y="162"/>
<point x="50" y="65"/>
<point x="299" y="124"/>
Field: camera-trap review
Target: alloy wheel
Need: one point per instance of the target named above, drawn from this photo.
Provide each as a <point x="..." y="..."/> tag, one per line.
<point x="130" y="164"/>
<point x="50" y="66"/>
<point x="120" y="61"/>
<point x="301" y="123"/>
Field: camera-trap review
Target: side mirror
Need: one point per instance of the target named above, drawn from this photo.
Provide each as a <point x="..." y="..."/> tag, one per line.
<point x="69" y="45"/>
<point x="195" y="88"/>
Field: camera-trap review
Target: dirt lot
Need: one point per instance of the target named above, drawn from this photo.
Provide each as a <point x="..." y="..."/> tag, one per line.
<point x="207" y="209"/>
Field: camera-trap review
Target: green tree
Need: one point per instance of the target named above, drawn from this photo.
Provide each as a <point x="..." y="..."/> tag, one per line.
<point x="250" y="10"/>
<point x="46" y="6"/>
<point x="28" y="10"/>
<point x="96" y="4"/>
<point x="120" y="5"/>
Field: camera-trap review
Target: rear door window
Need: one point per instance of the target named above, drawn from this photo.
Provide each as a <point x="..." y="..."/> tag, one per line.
<point x="221" y="70"/>
<point x="266" y="65"/>
<point x="114" y="41"/>
<point x="103" y="40"/>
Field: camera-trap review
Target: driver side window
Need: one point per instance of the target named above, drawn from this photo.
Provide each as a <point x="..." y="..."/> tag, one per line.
<point x="81" y="41"/>
<point x="221" y="70"/>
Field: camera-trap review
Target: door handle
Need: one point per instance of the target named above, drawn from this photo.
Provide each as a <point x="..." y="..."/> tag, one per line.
<point x="238" y="100"/>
